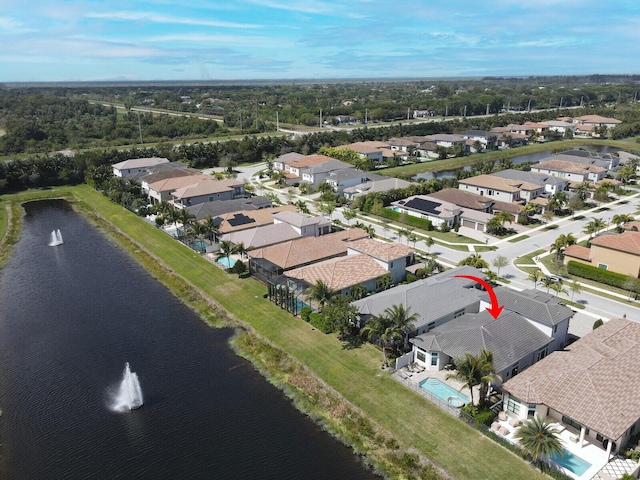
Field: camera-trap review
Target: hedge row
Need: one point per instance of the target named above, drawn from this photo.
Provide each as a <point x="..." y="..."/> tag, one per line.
<point x="597" y="274"/>
<point x="416" y="222"/>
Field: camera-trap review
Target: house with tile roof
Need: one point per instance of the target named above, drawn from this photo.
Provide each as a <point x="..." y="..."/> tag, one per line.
<point x="270" y="262"/>
<point x="316" y="174"/>
<point x="215" y="209"/>
<point x="618" y="253"/>
<point x="437" y="211"/>
<point x="306" y="225"/>
<point x="370" y="149"/>
<point x="209" y="190"/>
<point x="590" y="387"/>
<point x="393" y="257"/>
<point x="572" y="171"/>
<point x="503" y="189"/>
<point x="134" y="166"/>
<point x="350" y="177"/>
<point x="544" y="311"/>
<point x="262" y="236"/>
<point x="597" y="121"/>
<point x="163" y="172"/>
<point x="280" y="162"/>
<point x="436" y="299"/>
<point x="550" y="183"/>
<point x="244" y="219"/>
<point x="510" y="337"/>
<point x="371" y="186"/>
<point x="342" y="273"/>
<point x="161" y="190"/>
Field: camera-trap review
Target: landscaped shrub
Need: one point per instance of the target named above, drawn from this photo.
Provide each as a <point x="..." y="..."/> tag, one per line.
<point x="596" y="274"/>
<point x="320" y="322"/>
<point x="305" y="312"/>
<point x="482" y="414"/>
<point x="239" y="267"/>
<point x="597" y="323"/>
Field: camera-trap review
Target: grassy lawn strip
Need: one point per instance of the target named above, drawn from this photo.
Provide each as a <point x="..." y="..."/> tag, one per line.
<point x="517" y="239"/>
<point x="528" y="259"/>
<point x="355" y="374"/>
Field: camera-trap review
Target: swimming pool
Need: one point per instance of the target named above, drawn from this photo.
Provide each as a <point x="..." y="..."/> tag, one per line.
<point x="444" y="392"/>
<point x="200" y="245"/>
<point x="226" y="262"/>
<point x="571" y="462"/>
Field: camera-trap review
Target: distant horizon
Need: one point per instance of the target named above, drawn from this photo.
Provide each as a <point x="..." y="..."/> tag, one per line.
<point x="258" y="81"/>
<point x="295" y="40"/>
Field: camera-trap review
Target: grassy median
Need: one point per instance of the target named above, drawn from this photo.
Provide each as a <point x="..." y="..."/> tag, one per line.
<point x="396" y="413"/>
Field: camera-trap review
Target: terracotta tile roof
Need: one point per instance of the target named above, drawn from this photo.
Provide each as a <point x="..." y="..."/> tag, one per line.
<point x="306" y="250"/>
<point x="578" y="251"/>
<point x="596" y="119"/>
<point x="253" y="218"/>
<point x="171" y="184"/>
<point x="632" y="225"/>
<point x="570" y="167"/>
<point x="381" y="250"/>
<point x="499" y="183"/>
<point x="463" y="199"/>
<point x="594" y="381"/>
<point x="140" y="163"/>
<point x="365" y="147"/>
<point x="342" y="272"/>
<point x="309" y="160"/>
<point x="206" y="187"/>
<point x="628" y="242"/>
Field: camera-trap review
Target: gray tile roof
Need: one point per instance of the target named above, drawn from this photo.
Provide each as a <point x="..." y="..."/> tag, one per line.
<point x="202" y="210"/>
<point x="532" y="304"/>
<point x="531" y="177"/>
<point x="511" y="337"/>
<point x="431" y="298"/>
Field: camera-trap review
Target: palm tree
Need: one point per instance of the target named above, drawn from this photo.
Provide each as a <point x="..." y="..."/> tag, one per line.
<point x="562" y="242"/>
<point x="548" y="282"/>
<point x="321" y="293"/>
<point x="558" y="288"/>
<point x="535" y="277"/>
<point x="620" y="219"/>
<point x="212" y="230"/>
<point x="241" y="250"/>
<point x="527" y="210"/>
<point x="594" y="226"/>
<point x="413" y="238"/>
<point x="488" y="373"/>
<point x="539" y="438"/>
<point x="428" y="241"/>
<point x="575" y="287"/>
<point x="226" y="249"/>
<point x="582" y="190"/>
<point x="401" y="319"/>
<point x="381" y="327"/>
<point x="468" y="372"/>
<point x="504" y="217"/>
<point x="349" y="214"/>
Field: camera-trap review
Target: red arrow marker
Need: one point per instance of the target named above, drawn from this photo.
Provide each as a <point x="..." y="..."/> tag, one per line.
<point x="494" y="310"/>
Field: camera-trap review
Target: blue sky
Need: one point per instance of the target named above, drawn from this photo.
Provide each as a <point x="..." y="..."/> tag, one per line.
<point x="90" y="40"/>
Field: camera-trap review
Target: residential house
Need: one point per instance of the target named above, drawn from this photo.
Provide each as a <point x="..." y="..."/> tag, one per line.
<point x="341" y="273"/>
<point x="590" y="387"/>
<point x="572" y="171"/>
<point x="472" y="201"/>
<point x="618" y="253"/>
<point x="544" y="311"/>
<point x="306" y="225"/>
<point x="606" y="161"/>
<point x="372" y="186"/>
<point x="280" y="162"/>
<point x="436" y="300"/>
<point x="370" y="149"/>
<point x="159" y="174"/>
<point x="350" y="177"/>
<point x="510" y="337"/>
<point x="244" y="219"/>
<point x="209" y="190"/>
<point x="316" y="174"/>
<point x="134" y="166"/>
<point x="597" y="121"/>
<point x="560" y="126"/>
<point x="437" y="211"/>
<point x="401" y="144"/>
<point x="270" y="262"/>
<point x="161" y="190"/>
<point x="446" y="140"/>
<point x="311" y="169"/>
<point x="550" y="183"/>
<point x="503" y="189"/>
<point x="482" y="136"/>
<point x="393" y="257"/>
<point x="262" y="236"/>
<point x="215" y="209"/>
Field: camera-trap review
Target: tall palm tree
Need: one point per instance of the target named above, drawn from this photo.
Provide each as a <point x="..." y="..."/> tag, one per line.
<point x="401" y="319"/>
<point x="488" y="373"/>
<point x="241" y="250"/>
<point x="539" y="438"/>
<point x="535" y="277"/>
<point x="468" y="372"/>
<point x="381" y="327"/>
<point x="212" y="229"/>
<point x="620" y="219"/>
<point x="428" y="241"/>
<point x="321" y="293"/>
<point x="594" y="226"/>
<point x="575" y="287"/>
<point x="226" y="249"/>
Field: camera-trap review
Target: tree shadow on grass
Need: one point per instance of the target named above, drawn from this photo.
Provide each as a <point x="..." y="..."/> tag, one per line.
<point x="351" y="342"/>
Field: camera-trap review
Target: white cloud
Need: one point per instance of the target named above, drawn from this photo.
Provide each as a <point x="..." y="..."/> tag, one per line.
<point x="11" y="26"/>
<point x="221" y="40"/>
<point x="156" y="18"/>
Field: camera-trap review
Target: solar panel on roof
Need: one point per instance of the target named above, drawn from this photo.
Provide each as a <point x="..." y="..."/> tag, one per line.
<point x="240" y="219"/>
<point x="424" y="205"/>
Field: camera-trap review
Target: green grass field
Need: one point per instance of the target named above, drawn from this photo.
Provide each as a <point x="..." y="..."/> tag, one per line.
<point x="354" y="373"/>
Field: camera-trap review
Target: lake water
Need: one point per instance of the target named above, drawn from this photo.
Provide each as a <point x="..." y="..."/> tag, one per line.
<point x="532" y="157"/>
<point x="72" y="315"/>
